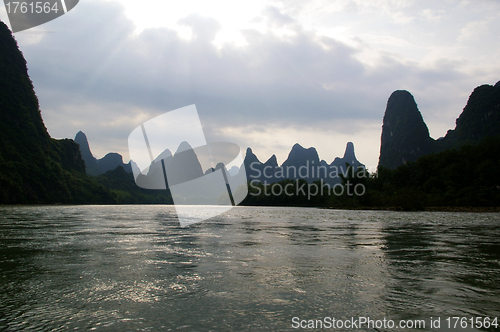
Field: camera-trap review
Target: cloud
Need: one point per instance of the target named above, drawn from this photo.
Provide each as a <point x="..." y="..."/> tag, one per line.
<point x="96" y="74"/>
<point x="204" y="28"/>
<point x="276" y="18"/>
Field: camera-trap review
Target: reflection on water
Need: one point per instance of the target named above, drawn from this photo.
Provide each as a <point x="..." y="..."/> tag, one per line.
<point x="450" y="259"/>
<point x="115" y="268"/>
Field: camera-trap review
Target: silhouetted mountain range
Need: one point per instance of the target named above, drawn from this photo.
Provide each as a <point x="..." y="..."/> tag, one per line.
<point x="405" y="136"/>
<point x="95" y="166"/>
<point x="459" y="169"/>
<point x="184" y="165"/>
<point x="301" y="163"/>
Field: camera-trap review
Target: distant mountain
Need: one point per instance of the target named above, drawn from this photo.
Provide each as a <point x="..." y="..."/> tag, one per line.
<point x="301" y="163"/>
<point x="300" y="156"/>
<point x="234" y="170"/>
<point x="183" y="166"/>
<point x="348" y="158"/>
<point x="405" y="136"/>
<point x="90" y="161"/>
<point x="111" y="161"/>
<point x="35" y="167"/>
<point x="95" y="166"/>
<point x="253" y="166"/>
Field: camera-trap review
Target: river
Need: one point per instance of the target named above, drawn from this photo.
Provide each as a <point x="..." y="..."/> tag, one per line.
<point x="133" y="268"/>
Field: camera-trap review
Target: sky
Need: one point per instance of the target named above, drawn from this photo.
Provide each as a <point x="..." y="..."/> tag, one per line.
<point x="264" y="74"/>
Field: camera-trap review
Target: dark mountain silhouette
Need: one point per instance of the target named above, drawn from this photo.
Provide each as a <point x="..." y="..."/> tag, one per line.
<point x="271" y="162"/>
<point x="479" y="119"/>
<point x="405" y="136"/>
<point x="35" y="167"/>
<point x="341" y="165"/>
<point x="268" y="170"/>
<point x="111" y="161"/>
<point x="349" y="155"/>
<point x="348" y="158"/>
<point x="253" y="166"/>
<point x="301" y="163"/>
<point x="300" y="156"/>
<point x="95" y="166"/>
<point x="90" y="161"/>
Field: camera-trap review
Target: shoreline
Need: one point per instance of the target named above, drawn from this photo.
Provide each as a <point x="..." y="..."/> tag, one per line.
<point x="426" y="209"/>
<point x="490" y="209"/>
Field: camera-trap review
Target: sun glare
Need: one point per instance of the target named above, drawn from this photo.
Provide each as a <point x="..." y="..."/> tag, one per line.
<point x="232" y="15"/>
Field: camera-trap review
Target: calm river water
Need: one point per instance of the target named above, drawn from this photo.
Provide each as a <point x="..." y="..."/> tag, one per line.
<point x="132" y="268"/>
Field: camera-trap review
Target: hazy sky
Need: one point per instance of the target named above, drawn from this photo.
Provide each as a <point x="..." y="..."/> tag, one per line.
<point x="263" y="74"/>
